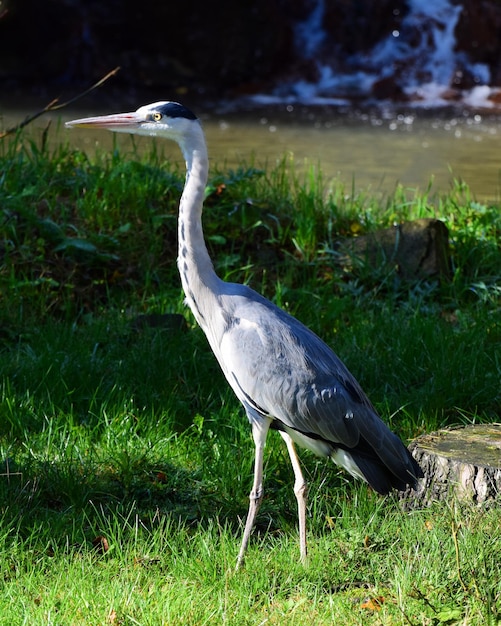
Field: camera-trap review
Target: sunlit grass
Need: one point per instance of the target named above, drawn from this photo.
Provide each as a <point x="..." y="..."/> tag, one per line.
<point x="125" y="460"/>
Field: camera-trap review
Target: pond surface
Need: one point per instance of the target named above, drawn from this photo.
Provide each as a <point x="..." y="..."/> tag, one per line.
<point x="374" y="152"/>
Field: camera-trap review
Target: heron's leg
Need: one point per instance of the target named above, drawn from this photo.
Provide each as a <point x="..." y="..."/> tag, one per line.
<point x="301" y="491"/>
<point x="259" y="432"/>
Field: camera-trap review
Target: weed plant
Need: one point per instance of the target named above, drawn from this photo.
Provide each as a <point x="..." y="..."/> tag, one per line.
<point x="125" y="460"/>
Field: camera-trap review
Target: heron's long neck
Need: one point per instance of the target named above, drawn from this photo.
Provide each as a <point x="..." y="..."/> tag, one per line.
<point x="198" y="277"/>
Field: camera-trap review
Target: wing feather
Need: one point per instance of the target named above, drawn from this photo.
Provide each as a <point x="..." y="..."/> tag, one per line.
<point x="292" y="375"/>
<point x="281" y="369"/>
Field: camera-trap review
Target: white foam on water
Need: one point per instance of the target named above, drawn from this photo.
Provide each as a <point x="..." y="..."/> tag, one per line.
<point x="420" y="57"/>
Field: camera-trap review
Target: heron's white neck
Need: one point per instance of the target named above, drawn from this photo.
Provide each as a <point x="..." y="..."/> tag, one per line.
<point x="198" y="277"/>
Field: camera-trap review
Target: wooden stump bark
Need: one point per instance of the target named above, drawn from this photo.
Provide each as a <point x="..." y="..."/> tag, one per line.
<point x="465" y="462"/>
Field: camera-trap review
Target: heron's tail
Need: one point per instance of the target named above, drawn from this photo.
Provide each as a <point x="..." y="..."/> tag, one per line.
<point x="383" y="473"/>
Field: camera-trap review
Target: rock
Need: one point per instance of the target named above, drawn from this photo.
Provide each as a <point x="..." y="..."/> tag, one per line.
<point x="478" y="34"/>
<point x="418" y="249"/>
<point x="358" y="26"/>
<point x="388" y="89"/>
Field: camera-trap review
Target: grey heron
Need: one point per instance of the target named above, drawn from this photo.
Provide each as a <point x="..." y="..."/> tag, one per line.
<point x="284" y="375"/>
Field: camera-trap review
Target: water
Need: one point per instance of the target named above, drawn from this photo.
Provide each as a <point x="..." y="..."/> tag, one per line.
<point x="421" y="58"/>
<point x="374" y="152"/>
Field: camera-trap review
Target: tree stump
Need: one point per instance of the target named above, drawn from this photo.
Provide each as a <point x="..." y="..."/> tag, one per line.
<point x="417" y="249"/>
<point x="464" y="462"/>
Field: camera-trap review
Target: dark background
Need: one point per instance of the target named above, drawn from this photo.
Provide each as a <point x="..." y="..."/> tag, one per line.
<point x="196" y="48"/>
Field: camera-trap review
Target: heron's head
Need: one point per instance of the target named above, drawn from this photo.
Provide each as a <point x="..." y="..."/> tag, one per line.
<point x="164" y="119"/>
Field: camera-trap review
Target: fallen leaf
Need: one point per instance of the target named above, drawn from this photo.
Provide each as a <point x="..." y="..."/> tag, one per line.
<point x="100" y="544"/>
<point x="161" y="477"/>
<point x="373" y="604"/>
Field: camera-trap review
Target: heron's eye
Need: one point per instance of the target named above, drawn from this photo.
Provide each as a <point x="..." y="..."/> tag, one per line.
<point x="156" y="117"/>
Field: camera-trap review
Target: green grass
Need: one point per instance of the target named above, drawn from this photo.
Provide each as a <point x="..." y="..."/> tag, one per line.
<point x="125" y="460"/>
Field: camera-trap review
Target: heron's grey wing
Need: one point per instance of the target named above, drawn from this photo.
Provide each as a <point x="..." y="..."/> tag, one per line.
<point x="279" y="368"/>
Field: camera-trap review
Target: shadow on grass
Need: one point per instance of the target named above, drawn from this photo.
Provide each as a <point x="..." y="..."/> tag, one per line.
<point x="102" y="424"/>
<point x="98" y="420"/>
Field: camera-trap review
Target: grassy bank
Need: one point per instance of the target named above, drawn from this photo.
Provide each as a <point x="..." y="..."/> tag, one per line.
<point x="126" y="461"/>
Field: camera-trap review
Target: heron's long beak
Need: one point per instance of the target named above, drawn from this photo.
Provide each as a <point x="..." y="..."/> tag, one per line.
<point x="120" y="121"/>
